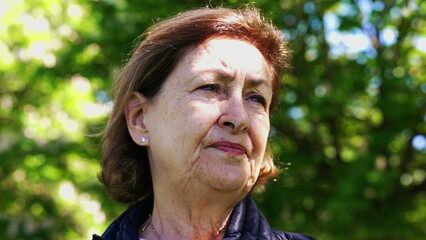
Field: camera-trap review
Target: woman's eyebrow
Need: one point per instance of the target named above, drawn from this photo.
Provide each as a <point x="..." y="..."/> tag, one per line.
<point x="221" y="74"/>
<point x="257" y="82"/>
<point x="227" y="76"/>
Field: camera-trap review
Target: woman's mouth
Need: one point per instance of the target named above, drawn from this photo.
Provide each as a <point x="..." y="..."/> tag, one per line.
<point x="230" y="147"/>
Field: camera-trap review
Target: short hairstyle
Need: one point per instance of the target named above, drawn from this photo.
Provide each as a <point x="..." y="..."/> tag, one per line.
<point x="125" y="171"/>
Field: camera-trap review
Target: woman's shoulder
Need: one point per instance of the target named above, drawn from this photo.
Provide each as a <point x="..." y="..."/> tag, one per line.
<point x="280" y="235"/>
<point x="247" y="222"/>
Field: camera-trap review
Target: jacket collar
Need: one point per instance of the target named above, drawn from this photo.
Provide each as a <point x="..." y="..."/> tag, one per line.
<point x="247" y="222"/>
<point x="126" y="226"/>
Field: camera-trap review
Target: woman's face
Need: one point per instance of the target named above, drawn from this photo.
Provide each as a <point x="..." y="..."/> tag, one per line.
<point x="209" y="124"/>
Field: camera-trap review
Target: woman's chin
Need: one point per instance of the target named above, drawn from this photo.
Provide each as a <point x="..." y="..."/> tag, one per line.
<point x="230" y="179"/>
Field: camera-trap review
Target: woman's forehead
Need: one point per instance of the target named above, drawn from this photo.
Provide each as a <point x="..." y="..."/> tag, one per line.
<point x="227" y="54"/>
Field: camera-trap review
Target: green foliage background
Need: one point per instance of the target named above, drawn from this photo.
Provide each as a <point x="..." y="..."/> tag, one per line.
<point x="350" y="132"/>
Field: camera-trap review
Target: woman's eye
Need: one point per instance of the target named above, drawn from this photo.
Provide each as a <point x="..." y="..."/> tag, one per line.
<point x="258" y="98"/>
<point x="210" y="87"/>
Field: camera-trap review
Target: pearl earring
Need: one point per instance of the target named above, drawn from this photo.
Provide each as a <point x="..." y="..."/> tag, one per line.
<point x="143" y="139"/>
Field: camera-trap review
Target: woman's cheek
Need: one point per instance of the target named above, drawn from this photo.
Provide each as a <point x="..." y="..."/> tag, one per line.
<point x="204" y="111"/>
<point x="261" y="125"/>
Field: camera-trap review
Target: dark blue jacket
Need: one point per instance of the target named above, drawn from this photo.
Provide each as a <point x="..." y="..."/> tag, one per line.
<point x="247" y="223"/>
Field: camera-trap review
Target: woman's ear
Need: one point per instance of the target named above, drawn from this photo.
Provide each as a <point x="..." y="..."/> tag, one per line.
<point x="135" y="112"/>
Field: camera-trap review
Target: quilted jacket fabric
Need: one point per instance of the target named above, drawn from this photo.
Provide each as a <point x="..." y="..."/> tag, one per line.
<point x="247" y="223"/>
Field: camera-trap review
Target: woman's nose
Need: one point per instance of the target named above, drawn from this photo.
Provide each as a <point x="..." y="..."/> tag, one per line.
<point x="234" y="115"/>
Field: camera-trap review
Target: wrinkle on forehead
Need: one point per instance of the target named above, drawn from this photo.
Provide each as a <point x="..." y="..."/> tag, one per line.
<point x="232" y="56"/>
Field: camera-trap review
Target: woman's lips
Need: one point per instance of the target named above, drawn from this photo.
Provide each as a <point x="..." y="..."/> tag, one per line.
<point x="230" y="147"/>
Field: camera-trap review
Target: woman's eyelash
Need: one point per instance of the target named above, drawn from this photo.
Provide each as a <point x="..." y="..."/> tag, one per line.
<point x="258" y="98"/>
<point x="216" y="88"/>
<point x="210" y="87"/>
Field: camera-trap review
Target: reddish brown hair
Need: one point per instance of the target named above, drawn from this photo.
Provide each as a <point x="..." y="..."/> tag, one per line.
<point x="125" y="167"/>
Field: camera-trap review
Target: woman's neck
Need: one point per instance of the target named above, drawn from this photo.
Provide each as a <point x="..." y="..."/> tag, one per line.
<point x="192" y="216"/>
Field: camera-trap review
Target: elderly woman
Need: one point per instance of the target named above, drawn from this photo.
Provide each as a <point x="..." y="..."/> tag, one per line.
<point x="187" y="140"/>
